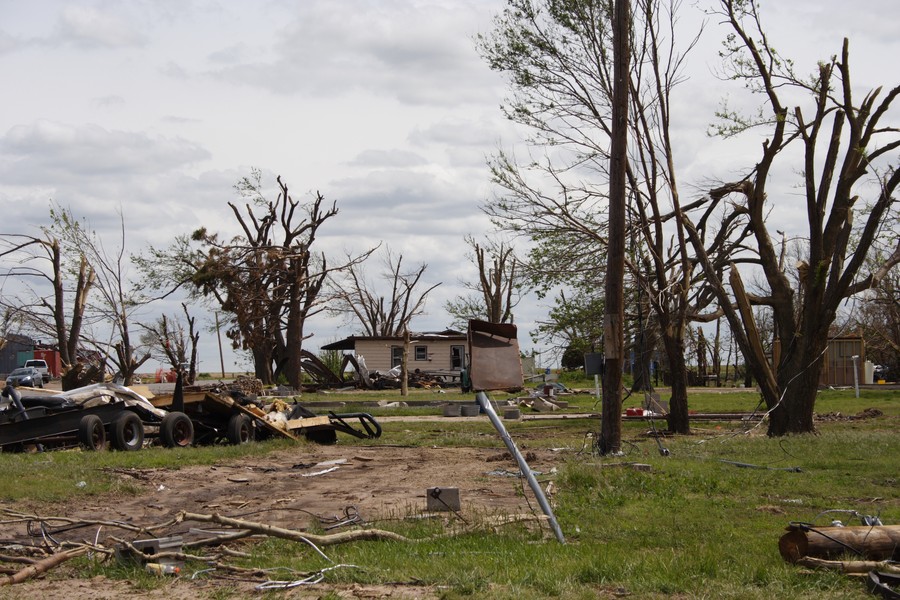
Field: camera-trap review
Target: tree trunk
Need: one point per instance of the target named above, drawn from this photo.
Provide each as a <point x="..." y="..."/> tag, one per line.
<point x="678" y="419"/>
<point x="294" y="336"/>
<point x="262" y="365"/>
<point x="798" y="381"/>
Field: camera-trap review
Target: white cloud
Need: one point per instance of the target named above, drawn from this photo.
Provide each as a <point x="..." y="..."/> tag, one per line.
<point x="46" y="151"/>
<point x="89" y="27"/>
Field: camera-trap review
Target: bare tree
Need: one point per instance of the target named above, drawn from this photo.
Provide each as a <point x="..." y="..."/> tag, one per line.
<point x="366" y="304"/>
<point x="118" y="299"/>
<point x="845" y="148"/>
<point x="60" y="314"/>
<point x="267" y="278"/>
<point x="382" y="314"/>
<point x="175" y="341"/>
<point x="498" y="290"/>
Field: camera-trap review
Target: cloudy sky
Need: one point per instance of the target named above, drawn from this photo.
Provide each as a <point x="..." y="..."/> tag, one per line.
<point x="157" y="107"/>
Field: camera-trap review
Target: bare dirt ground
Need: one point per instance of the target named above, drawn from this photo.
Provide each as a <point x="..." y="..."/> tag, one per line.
<point x="286" y="488"/>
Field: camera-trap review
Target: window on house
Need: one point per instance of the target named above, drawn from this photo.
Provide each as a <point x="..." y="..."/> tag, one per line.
<point x="396" y="356"/>
<point x="421" y="352"/>
<point x="457" y="357"/>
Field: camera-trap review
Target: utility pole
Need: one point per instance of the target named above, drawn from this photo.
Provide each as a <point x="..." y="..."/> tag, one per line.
<point x="610" y="440"/>
<point x="221" y="356"/>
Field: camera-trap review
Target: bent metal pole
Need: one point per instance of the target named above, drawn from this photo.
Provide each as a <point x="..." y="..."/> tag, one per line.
<point x="523" y="466"/>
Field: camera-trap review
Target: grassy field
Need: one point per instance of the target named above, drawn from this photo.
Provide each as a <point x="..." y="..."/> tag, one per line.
<point x="695" y="526"/>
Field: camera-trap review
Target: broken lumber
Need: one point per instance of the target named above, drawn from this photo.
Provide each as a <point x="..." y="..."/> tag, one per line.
<point x="880" y="542"/>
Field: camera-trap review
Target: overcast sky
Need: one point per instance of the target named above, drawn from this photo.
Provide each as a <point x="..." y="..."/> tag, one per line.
<point x="158" y="107"/>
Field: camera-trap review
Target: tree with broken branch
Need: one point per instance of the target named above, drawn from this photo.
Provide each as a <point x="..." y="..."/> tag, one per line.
<point x="382" y="314"/>
<point x="268" y="277"/>
<point x="559" y="59"/>
<point x="848" y="177"/>
<point x="174" y="341"/>
<point x="118" y="299"/>
<point x="499" y="288"/>
<point x="380" y="310"/>
<point x="56" y="283"/>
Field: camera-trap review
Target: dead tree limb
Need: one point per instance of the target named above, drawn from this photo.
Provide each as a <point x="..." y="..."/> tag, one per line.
<point x="850" y="566"/>
<point x="42" y="566"/>
<point x="290" y="534"/>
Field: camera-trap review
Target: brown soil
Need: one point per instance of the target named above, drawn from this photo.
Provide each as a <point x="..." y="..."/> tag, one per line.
<point x="289" y="489"/>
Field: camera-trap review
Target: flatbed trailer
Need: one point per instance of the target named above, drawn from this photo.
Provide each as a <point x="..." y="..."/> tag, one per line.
<point x="230" y="417"/>
<point x="89" y="417"/>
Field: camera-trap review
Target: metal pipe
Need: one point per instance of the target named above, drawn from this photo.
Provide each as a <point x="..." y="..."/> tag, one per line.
<point x="523" y="466"/>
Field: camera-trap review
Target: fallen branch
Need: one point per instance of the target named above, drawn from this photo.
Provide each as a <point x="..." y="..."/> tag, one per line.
<point x="297" y="536"/>
<point x="850" y="566"/>
<point x="66" y="523"/>
<point x="42" y="566"/>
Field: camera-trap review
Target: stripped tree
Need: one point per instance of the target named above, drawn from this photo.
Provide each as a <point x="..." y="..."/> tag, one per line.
<point x="498" y="290"/>
<point x="848" y="176"/>
<point x="379" y="314"/>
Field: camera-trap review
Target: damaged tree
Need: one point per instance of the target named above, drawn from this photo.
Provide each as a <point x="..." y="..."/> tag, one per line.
<point x="363" y="302"/>
<point x="379" y="314"/>
<point x="174" y="344"/>
<point x="59" y="315"/>
<point x="846" y="148"/>
<point x="560" y="61"/>
<point x="268" y="277"/>
<point x="499" y="288"/>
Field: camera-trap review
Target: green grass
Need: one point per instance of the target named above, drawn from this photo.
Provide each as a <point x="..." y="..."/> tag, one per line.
<point x="58" y="475"/>
<point x="695" y="526"/>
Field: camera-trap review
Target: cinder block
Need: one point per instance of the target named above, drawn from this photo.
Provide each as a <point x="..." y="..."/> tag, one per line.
<point x="512" y="414"/>
<point x="157" y="545"/>
<point x="442" y="499"/>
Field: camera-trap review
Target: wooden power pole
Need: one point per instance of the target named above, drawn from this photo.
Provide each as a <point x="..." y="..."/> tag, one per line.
<point x="613" y="325"/>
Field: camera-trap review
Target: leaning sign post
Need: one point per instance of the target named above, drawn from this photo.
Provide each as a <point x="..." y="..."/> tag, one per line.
<point x="495" y="364"/>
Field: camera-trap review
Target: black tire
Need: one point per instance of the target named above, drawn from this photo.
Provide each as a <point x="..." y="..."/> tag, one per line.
<point x="325" y="437"/>
<point x="239" y="430"/>
<point x="91" y="433"/>
<point x="126" y="432"/>
<point x="176" y="430"/>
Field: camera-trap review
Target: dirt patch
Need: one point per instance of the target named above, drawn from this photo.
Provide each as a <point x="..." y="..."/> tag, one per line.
<point x="868" y="413"/>
<point x="291" y="488"/>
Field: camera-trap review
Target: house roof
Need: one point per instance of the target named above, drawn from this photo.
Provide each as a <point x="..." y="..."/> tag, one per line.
<point x="349" y="343"/>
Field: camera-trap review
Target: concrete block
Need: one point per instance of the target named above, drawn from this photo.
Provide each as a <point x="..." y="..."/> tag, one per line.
<point x="470" y="410"/>
<point x="512" y="414"/>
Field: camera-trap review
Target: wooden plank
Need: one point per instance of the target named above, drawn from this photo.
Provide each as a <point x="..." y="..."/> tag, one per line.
<point x="307" y="422"/>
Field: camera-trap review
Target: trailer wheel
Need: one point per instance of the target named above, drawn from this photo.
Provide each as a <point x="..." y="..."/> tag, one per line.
<point x="127" y="432"/>
<point x="240" y="429"/>
<point x="176" y="430"/>
<point x="325" y="437"/>
<point x="91" y="434"/>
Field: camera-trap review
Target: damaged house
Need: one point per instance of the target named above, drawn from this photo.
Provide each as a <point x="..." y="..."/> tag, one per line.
<point x="441" y="354"/>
